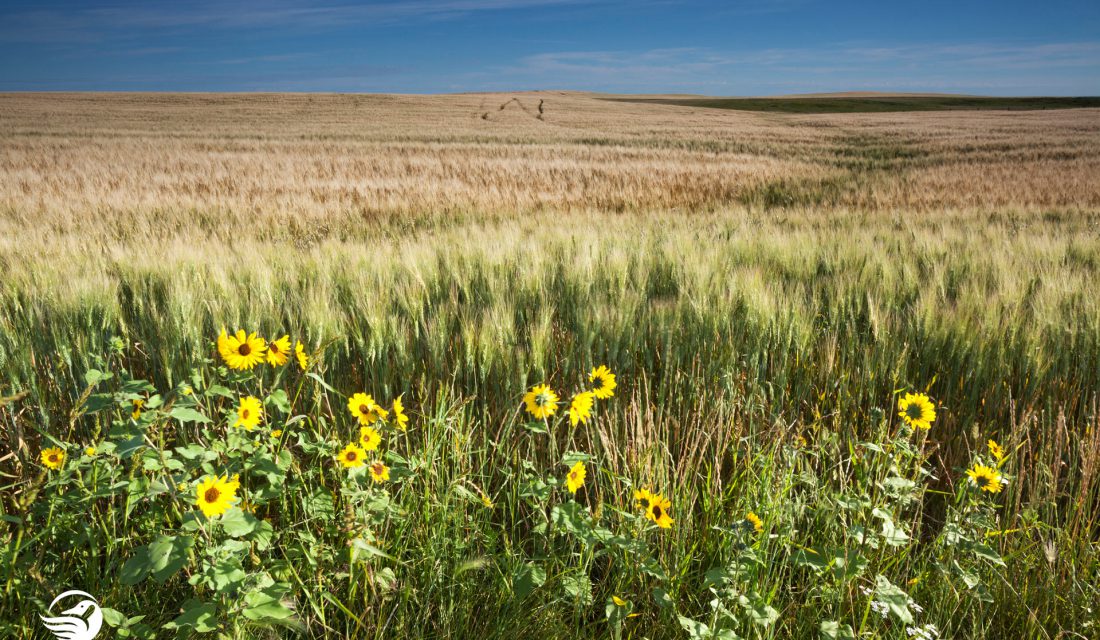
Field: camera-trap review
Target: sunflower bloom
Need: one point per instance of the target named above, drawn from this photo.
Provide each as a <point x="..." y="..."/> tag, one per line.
<point x="917" y="410"/>
<point x="996" y="450"/>
<point x="399" y="417"/>
<point x="642" y="498"/>
<point x="754" y="521"/>
<point x="90" y="451"/>
<point x="603" y="382"/>
<point x="249" y="413"/>
<point x="276" y="433"/>
<point x="137" y="404"/>
<point x="278" y="351"/>
<point x="581" y="408"/>
<point x="53" y="457"/>
<point x="541" y="401"/>
<point x="215" y="494"/>
<point x="379" y="472"/>
<point x="575" y="479"/>
<point x="300" y="355"/>
<point x="486" y="501"/>
<point x="364" y="407"/>
<point x="658" y="511"/>
<point x="352" y="456"/>
<point x="986" y="478"/>
<point x="369" y="438"/>
<point x="242" y="351"/>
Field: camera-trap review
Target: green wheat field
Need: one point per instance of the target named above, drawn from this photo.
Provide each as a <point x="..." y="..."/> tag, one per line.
<point x="851" y="384"/>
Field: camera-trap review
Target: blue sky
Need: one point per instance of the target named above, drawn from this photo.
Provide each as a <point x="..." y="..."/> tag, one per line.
<point x="750" y="47"/>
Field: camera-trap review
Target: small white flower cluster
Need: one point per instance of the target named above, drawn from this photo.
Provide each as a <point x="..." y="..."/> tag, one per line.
<point x="915" y="607"/>
<point x="927" y="632"/>
<point x="880" y="608"/>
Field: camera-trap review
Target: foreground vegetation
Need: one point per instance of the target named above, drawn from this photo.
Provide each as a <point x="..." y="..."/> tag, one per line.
<point x="765" y="292"/>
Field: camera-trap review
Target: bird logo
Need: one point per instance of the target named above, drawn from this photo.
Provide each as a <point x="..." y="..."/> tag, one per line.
<point x="73" y="625"/>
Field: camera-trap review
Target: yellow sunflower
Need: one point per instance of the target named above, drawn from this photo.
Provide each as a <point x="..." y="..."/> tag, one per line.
<point x="541" y="401"/>
<point x="487" y="501"/>
<point x="242" y="351"/>
<point x="278" y="351"/>
<point x="137" y="404"/>
<point x="276" y="433"/>
<point x="575" y="479"/>
<point x="986" y="478"/>
<point x="300" y="355"/>
<point x="754" y="521"/>
<point x="352" y="456"/>
<point x="399" y="417"/>
<point x="642" y="498"/>
<point x="581" y="408"/>
<point x="917" y="410"/>
<point x="603" y="382"/>
<point x="90" y="451"/>
<point x="369" y="438"/>
<point x="249" y="413"/>
<point x="379" y="472"/>
<point x="364" y="407"/>
<point x="53" y="457"/>
<point x="996" y="450"/>
<point x="215" y="494"/>
<point x="658" y="511"/>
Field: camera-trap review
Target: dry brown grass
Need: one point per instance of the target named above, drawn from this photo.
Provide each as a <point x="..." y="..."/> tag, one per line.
<point x="112" y="164"/>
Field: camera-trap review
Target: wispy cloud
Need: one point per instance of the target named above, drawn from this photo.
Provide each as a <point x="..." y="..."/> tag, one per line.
<point x="96" y="23"/>
<point x="843" y="66"/>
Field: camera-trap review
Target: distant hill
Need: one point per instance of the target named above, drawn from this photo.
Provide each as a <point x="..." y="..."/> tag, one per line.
<point x="869" y="102"/>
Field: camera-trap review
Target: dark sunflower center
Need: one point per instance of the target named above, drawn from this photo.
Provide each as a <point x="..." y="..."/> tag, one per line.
<point x="983" y="481"/>
<point x="244" y="414"/>
<point x="244" y="349"/>
<point x="364" y="409"/>
<point x="212" y="494"/>
<point x="378" y="469"/>
<point x="572" y="475"/>
<point x="915" y="412"/>
<point x="644" y="503"/>
<point x="600" y="382"/>
<point x="657" y="511"/>
<point x="273" y="348"/>
<point x="53" y="457"/>
<point x="351" y="456"/>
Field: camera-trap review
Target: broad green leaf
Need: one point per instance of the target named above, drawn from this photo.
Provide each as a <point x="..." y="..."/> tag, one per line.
<point x="528" y="578"/>
<point x="199" y="616"/>
<point x="187" y="414"/>
<point x="833" y="630"/>
<point x="894" y="598"/>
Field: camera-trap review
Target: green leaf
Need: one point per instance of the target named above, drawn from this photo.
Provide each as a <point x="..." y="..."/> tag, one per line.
<point x="893" y="535"/>
<point x="759" y="610"/>
<point x="810" y="557"/>
<point x="218" y="390"/>
<point x="579" y="587"/>
<point x="228" y="575"/>
<point x="265" y="605"/>
<point x="833" y="630"/>
<point x="983" y="551"/>
<point x="136" y="568"/>
<point x="199" y="616"/>
<point x="187" y="414"/>
<point x="660" y="596"/>
<point x="279" y="400"/>
<point x="112" y="617"/>
<point x="696" y="630"/>
<point x="237" y="523"/>
<point x="894" y="598"/>
<point x="168" y="554"/>
<point x="321" y="382"/>
<point x="93" y="377"/>
<point x="528" y="578"/>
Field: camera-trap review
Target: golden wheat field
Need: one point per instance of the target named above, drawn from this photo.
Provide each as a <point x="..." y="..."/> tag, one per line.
<point x="779" y="297"/>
